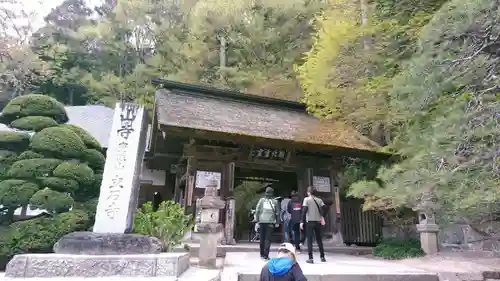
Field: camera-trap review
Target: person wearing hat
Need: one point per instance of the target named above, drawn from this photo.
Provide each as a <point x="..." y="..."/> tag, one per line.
<point x="284" y="267"/>
<point x="266" y="215"/>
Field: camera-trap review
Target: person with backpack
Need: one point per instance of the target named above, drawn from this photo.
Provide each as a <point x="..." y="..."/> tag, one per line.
<point x="294" y="208"/>
<point x="284" y="267"/>
<point x="285" y="219"/>
<point x="266" y="215"/>
<point x="313" y="217"/>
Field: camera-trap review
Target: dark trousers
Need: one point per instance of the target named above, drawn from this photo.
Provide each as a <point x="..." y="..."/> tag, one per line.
<point x="265" y="231"/>
<point x="314" y="228"/>
<point x="296" y="234"/>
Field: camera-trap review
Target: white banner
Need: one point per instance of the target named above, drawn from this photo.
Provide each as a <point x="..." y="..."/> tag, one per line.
<point x="204" y="177"/>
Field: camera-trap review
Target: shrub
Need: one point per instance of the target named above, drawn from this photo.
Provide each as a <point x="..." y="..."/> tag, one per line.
<point x="75" y="171"/>
<point x="168" y="223"/>
<point x="34" y="105"/>
<point x="52" y="201"/>
<point x="87" y="139"/>
<point x="6" y="161"/>
<point x="59" y="184"/>
<point x="16" y="193"/>
<point x="38" y="235"/>
<point x="94" y="159"/>
<point x="33" y="168"/>
<point x="14" y="141"/>
<point x="29" y="155"/>
<point x="33" y="123"/>
<point x="394" y="249"/>
<point x="59" y="142"/>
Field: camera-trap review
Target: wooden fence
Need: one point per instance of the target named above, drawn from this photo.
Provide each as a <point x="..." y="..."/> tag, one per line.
<point x="362" y="228"/>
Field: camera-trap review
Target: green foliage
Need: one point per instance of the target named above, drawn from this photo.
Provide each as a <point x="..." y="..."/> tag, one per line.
<point x="39" y="235"/>
<point x="393" y="249"/>
<point x="33" y="168"/>
<point x="28" y="154"/>
<point x="168" y="223"/>
<point x="95" y="159"/>
<point x="33" y="123"/>
<point x="87" y="139"/>
<point x="52" y="201"/>
<point x="34" y="105"/>
<point x="246" y="196"/>
<point x="75" y="171"/>
<point x="6" y="161"/>
<point x="57" y="141"/>
<point x="59" y="184"/>
<point x="16" y="193"/>
<point x="14" y="141"/>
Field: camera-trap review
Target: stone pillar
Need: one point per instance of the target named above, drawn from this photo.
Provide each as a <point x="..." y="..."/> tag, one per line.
<point x="427" y="226"/>
<point x="228" y="185"/>
<point x="209" y="231"/>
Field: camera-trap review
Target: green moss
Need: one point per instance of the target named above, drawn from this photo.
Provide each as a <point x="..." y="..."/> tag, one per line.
<point x="394" y="249"/>
<point x="33" y="123"/>
<point x="15" y="141"/>
<point x="58" y="142"/>
<point x="79" y="172"/>
<point x="94" y="159"/>
<point x="34" y="105"/>
<point x="15" y="193"/>
<point x="59" y="184"/>
<point x="87" y="138"/>
<point x="33" y="168"/>
<point x="29" y="155"/>
<point x="51" y="200"/>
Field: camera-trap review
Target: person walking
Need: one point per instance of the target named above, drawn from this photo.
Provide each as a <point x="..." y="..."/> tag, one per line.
<point x="313" y="217"/>
<point x="284" y="267"/>
<point x="294" y="208"/>
<point x="266" y="215"/>
<point x="285" y="218"/>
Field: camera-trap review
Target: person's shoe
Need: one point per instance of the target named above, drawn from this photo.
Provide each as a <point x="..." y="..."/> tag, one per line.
<point x="266" y="258"/>
<point x="323" y="259"/>
<point x="310" y="261"/>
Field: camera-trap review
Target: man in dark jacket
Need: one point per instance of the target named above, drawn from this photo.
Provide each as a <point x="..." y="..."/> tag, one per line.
<point x="294" y="208"/>
<point x="284" y="267"/>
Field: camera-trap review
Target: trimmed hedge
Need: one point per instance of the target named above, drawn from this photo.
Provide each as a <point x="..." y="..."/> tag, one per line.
<point x="33" y="123"/>
<point x="395" y="249"/>
<point x="28" y="154"/>
<point x="39" y="235"/>
<point x="34" y="105"/>
<point x="52" y="201"/>
<point x="59" y="184"/>
<point x="6" y="161"/>
<point x="58" y="141"/>
<point x="87" y="138"/>
<point x="14" y="141"/>
<point x="79" y="172"/>
<point x="33" y="168"/>
<point x="15" y="193"/>
<point x="94" y="159"/>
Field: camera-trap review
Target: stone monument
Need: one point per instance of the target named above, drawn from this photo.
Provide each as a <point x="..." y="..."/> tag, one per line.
<point x="110" y="250"/>
<point x="209" y="231"/>
<point x="427" y="226"/>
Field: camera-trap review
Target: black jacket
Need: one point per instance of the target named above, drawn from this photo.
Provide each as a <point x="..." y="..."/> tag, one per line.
<point x="295" y="208"/>
<point x="295" y="274"/>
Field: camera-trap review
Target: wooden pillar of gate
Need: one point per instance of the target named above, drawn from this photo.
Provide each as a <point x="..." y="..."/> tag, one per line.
<point x="304" y="180"/>
<point x="227" y="187"/>
<point x="334" y="211"/>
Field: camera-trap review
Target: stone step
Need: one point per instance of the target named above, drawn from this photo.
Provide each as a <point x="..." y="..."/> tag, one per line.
<point x="352" y="277"/>
<point x="254" y="248"/>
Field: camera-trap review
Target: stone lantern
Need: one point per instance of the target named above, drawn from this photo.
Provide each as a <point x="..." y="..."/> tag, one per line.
<point x="208" y="230"/>
<point x="427" y="226"/>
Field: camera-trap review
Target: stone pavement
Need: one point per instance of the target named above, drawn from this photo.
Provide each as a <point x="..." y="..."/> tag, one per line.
<point x="247" y="267"/>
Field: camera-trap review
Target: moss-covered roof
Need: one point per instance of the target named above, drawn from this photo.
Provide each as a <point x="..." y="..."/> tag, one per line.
<point x="195" y="107"/>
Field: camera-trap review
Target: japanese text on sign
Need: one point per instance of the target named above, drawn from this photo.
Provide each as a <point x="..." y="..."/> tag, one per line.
<point x="269" y="154"/>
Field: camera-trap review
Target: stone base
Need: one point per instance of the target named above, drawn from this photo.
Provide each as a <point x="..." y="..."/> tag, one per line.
<point x="90" y="243"/>
<point x="61" y="265"/>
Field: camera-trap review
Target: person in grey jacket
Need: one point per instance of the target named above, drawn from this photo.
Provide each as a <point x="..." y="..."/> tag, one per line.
<point x="266" y="214"/>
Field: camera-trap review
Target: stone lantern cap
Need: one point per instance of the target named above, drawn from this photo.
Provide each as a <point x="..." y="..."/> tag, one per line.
<point x="211" y="200"/>
<point x="428" y="202"/>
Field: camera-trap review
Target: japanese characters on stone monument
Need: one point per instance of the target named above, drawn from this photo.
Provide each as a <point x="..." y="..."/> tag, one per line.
<point x="120" y="183"/>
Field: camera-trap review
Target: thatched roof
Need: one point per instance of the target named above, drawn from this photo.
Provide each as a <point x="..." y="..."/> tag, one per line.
<point x="200" y="108"/>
